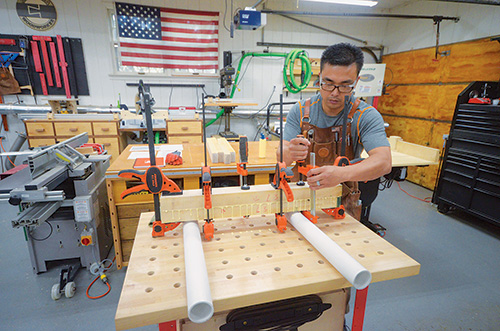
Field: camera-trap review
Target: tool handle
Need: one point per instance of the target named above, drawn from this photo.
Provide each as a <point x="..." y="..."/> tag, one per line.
<point x="243" y="149"/>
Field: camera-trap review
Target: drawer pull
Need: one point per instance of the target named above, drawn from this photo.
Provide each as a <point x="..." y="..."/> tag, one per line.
<point x="105" y="129"/>
<point x="40" y="130"/>
<point x="185" y="128"/>
<point x="73" y="129"/>
<point x="106" y="144"/>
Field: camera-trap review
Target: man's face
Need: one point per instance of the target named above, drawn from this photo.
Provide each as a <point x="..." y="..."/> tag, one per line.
<point x="333" y="101"/>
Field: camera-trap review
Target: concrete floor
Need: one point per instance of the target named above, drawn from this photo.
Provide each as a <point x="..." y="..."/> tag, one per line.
<point x="458" y="287"/>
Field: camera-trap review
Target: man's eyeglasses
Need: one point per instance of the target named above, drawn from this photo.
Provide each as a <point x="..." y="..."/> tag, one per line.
<point x="331" y="87"/>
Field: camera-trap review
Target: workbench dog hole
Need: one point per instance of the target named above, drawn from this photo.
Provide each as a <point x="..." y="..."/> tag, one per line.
<point x="149" y="289"/>
<point x="348" y="244"/>
<point x="154" y="247"/>
<point x="336" y="234"/>
<point x="176" y="256"/>
<point x="321" y="262"/>
<point x="361" y="255"/>
<point x="263" y="244"/>
<point x="277" y="269"/>
<point x="269" y="256"/>
<point x="237" y="236"/>
<point x="366" y="241"/>
<point x="229" y="276"/>
<point x="152" y="258"/>
<point x="299" y="265"/>
<point x="151" y="273"/>
<point x="254" y="273"/>
<point x="310" y="249"/>
<point x="176" y="269"/>
<point x="177" y="285"/>
<point x="225" y="262"/>
<point x="242" y="247"/>
<point x="221" y="249"/>
<point x="380" y="252"/>
<point x="290" y="252"/>
<point x="176" y="244"/>
<point x="247" y="259"/>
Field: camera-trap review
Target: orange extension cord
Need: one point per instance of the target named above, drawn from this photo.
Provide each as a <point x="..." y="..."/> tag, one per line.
<point x="1" y="144"/>
<point x="107" y="283"/>
<point x="427" y="200"/>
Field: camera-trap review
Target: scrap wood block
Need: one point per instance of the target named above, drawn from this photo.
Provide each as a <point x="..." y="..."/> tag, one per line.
<point x="229" y="153"/>
<point x="229" y="202"/>
<point x="214" y="151"/>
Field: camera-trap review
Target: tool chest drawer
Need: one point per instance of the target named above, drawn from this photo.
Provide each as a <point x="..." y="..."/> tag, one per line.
<point x="469" y="178"/>
<point x="184" y="139"/>
<point x="184" y="127"/>
<point x="39" y="129"/>
<point x="41" y="142"/>
<point x="70" y="129"/>
<point x="105" y="128"/>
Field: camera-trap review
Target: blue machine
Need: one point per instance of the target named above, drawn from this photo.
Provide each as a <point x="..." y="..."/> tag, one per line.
<point x="249" y="19"/>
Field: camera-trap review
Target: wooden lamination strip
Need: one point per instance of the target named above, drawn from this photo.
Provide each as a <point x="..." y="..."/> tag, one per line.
<point x="230" y="202"/>
<point x="422" y="152"/>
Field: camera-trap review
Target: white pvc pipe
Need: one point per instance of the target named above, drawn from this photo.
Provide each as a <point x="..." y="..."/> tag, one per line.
<point x="199" y="300"/>
<point x="351" y="269"/>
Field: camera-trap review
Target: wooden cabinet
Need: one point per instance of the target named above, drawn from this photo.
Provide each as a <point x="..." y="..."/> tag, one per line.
<point x="184" y="131"/>
<point x="46" y="132"/>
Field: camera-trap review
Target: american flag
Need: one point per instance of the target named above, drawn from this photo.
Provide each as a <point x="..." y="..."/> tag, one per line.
<point x="168" y="38"/>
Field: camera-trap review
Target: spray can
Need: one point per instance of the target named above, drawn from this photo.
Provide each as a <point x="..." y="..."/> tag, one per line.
<point x="262" y="146"/>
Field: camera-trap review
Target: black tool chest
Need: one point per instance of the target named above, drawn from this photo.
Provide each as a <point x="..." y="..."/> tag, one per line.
<point x="469" y="177"/>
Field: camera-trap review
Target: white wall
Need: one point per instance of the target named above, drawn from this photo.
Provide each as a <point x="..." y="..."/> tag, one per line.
<point x="88" y="20"/>
<point x="476" y="21"/>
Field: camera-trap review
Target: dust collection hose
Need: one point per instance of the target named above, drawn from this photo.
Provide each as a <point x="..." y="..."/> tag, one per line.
<point x="288" y="76"/>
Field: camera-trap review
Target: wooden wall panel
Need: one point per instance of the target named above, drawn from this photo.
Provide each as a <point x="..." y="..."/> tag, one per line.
<point x="472" y="61"/>
<point x="413" y="66"/>
<point x="421" y="99"/>
<point x="413" y="130"/>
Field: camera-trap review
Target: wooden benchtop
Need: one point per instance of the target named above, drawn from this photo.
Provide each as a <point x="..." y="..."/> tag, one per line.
<point x="193" y="158"/>
<point x="248" y="262"/>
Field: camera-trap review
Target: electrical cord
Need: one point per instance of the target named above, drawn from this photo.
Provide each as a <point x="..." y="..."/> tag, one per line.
<point x="47" y="237"/>
<point x="101" y="274"/>
<point x="1" y="144"/>
<point x="426" y="200"/>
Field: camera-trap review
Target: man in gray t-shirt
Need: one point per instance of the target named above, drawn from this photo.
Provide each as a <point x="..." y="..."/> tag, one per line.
<point x="339" y="73"/>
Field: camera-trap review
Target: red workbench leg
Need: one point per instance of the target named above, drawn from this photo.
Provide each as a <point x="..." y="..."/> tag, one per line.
<point x="359" y="309"/>
<point x="168" y="326"/>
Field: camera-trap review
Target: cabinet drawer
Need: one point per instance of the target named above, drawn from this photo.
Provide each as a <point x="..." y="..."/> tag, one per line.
<point x="112" y="145"/>
<point x="105" y="128"/>
<point x="184" y="139"/>
<point x="38" y="129"/>
<point x="41" y="142"/>
<point x="72" y="128"/>
<point x="184" y="127"/>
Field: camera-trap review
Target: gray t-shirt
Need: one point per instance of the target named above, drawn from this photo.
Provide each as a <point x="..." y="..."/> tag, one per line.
<point x="371" y="125"/>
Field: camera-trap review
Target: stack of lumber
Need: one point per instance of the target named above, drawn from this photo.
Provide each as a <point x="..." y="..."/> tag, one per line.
<point x="220" y="151"/>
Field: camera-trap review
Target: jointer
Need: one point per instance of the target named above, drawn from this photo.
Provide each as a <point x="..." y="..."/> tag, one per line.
<point x="61" y="204"/>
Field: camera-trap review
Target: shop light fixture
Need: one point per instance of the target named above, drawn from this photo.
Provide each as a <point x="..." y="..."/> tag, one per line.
<point x="367" y="3"/>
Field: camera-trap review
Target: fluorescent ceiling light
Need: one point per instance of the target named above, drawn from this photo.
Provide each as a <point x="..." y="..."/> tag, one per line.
<point x="350" y="2"/>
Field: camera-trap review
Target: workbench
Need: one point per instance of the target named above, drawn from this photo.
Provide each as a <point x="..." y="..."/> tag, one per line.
<point x="125" y="213"/>
<point x="248" y="262"/>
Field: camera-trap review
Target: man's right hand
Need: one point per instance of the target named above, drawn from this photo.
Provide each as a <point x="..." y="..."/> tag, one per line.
<point x="294" y="150"/>
<point x="298" y="148"/>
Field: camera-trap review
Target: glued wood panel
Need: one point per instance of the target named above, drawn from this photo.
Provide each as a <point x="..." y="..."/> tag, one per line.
<point x="411" y="67"/>
<point x="248" y="262"/>
<point x="235" y="202"/>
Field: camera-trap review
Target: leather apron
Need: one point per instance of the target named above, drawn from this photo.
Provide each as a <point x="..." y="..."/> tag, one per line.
<point x="326" y="143"/>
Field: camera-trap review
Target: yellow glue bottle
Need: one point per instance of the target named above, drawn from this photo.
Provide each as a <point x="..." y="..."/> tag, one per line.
<point x="262" y="146"/>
